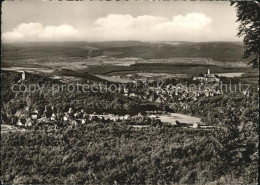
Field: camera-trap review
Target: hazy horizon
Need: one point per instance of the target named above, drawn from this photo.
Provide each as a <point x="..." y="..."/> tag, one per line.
<point x="7" y="42"/>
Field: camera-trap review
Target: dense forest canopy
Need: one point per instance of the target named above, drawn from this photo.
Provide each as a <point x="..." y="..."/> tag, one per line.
<point x="113" y="152"/>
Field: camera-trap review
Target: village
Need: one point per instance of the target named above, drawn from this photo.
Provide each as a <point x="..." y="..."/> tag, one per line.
<point x="177" y="95"/>
<point x="53" y="118"/>
<point x="207" y="85"/>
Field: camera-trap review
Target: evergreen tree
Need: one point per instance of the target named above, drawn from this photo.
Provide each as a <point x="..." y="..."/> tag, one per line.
<point x="248" y="14"/>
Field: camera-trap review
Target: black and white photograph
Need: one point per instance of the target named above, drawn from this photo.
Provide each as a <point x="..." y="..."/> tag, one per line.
<point x="130" y="92"/>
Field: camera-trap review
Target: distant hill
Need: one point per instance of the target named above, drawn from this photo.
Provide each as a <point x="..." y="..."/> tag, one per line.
<point x="218" y="51"/>
<point x="19" y="51"/>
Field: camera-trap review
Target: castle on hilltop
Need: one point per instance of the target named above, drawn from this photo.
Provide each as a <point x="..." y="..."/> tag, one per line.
<point x="209" y="77"/>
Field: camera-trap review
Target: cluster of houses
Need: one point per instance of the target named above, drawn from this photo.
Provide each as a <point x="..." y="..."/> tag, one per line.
<point x="209" y="86"/>
<point x="70" y="117"/>
<point x="168" y="93"/>
<point x="160" y="95"/>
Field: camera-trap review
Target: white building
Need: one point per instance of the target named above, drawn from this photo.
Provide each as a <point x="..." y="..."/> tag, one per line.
<point x="23" y="75"/>
<point x="209" y="77"/>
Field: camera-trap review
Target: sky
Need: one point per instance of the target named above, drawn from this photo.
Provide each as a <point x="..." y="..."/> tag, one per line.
<point x="118" y="20"/>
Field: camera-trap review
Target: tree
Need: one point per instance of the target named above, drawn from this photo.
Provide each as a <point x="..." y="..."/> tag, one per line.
<point x="248" y="14"/>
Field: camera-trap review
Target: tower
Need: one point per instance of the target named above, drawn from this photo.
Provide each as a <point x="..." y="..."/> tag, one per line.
<point x="23" y="75"/>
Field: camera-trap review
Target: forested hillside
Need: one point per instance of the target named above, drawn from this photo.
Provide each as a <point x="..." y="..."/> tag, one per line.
<point x="218" y="51"/>
<point x="110" y="152"/>
<point x="107" y="154"/>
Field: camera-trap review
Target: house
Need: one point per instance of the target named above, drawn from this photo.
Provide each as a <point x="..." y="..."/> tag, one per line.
<point x="59" y="116"/>
<point x="53" y="109"/>
<point x="151" y="98"/>
<point x="34" y="115"/>
<point x="83" y="121"/>
<point x="53" y="117"/>
<point x="84" y="115"/>
<point x="28" y="122"/>
<point x="126" y="90"/>
<point x="93" y="118"/>
<point x="66" y="118"/>
<point x="211" y="77"/>
<point x="70" y="111"/>
<point x="19" y="123"/>
<point x="159" y="100"/>
<point x="164" y="98"/>
<point x="139" y="127"/>
<point x="200" y="78"/>
<point x="246" y="93"/>
<point x="76" y="115"/>
<point x="195" y="125"/>
<point x="126" y="117"/>
<point x="132" y="95"/>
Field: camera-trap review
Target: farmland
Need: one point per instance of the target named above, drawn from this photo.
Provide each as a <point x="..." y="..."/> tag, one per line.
<point x="222" y="52"/>
<point x="129" y="57"/>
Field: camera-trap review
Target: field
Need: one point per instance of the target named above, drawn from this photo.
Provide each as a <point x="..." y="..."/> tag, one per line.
<point x="8" y="128"/>
<point x="106" y="61"/>
<point x="114" y="61"/>
<point x="216" y="51"/>
<point x="171" y="118"/>
<point x="85" y="60"/>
